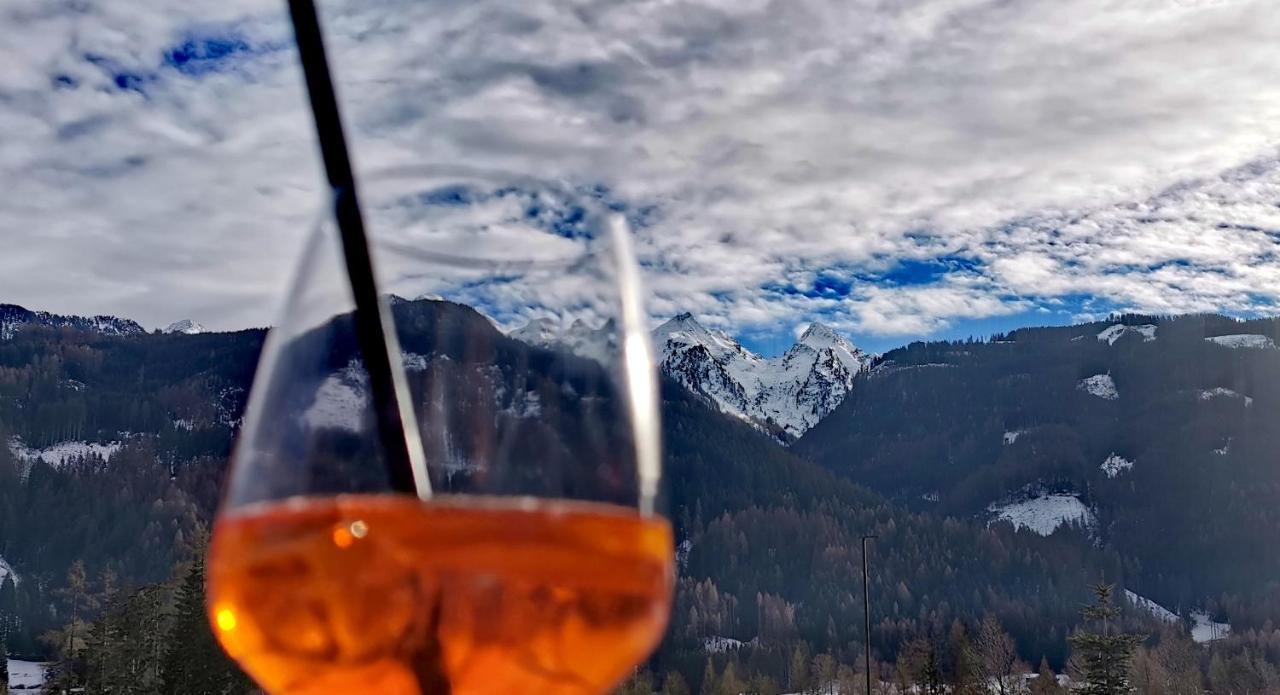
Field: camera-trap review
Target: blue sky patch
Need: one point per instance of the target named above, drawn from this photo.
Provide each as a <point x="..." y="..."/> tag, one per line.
<point x="123" y="78"/>
<point x="200" y="54"/>
<point x="909" y="272"/>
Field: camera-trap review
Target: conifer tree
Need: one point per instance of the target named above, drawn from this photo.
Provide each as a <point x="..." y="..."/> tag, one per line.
<point x="4" y="668"/>
<point x="1105" y="655"/>
<point x="1045" y="683"/>
<point x="710" y="682"/>
<point x="194" y="663"/>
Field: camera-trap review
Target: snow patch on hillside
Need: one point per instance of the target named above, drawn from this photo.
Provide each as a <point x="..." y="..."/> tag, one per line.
<point x="340" y="401"/>
<point x="1205" y="630"/>
<point x="7" y="571"/>
<point x="1244" y="340"/>
<point x="1220" y="392"/>
<point x="1146" y="605"/>
<point x="413" y="362"/>
<point x="57" y="454"/>
<point x="1100" y="385"/>
<point x="1115" y="464"/>
<point x="1112" y="334"/>
<point x="26" y="675"/>
<point x="720" y="645"/>
<point x="1044" y="513"/>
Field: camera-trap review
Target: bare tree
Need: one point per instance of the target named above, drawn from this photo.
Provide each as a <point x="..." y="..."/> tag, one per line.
<point x="997" y="655"/>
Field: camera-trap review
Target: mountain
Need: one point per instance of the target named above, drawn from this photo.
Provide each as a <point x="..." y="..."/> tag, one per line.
<point x="783" y="396"/>
<point x="768" y="541"/>
<point x="14" y="318"/>
<point x="1154" y="437"/>
<point x="185" y="326"/>
<point x="578" y="337"/>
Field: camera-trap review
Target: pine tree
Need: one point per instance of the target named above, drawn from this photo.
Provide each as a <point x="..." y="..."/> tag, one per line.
<point x="4" y="669"/>
<point x="9" y="622"/>
<point x="194" y="663"/>
<point x="1105" y="656"/>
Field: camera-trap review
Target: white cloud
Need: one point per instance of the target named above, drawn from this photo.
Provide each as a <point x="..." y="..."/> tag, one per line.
<point x="1122" y="150"/>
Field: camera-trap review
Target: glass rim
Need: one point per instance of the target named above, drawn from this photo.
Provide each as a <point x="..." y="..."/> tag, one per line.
<point x="599" y="215"/>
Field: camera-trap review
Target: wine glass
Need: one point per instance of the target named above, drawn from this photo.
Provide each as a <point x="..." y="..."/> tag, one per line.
<point x="452" y="510"/>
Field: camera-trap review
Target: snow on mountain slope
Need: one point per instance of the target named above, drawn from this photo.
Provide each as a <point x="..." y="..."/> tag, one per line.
<point x="578" y="337"/>
<point x="59" y="453"/>
<point x="785" y="395"/>
<point x="1100" y="385"/>
<point x="26" y="675"/>
<point x="340" y="401"/>
<point x="7" y="571"/>
<point x="1146" y="605"/>
<point x="1220" y="392"/>
<point x="709" y="363"/>
<point x="14" y="317"/>
<point x="1114" y="464"/>
<point x="809" y="380"/>
<point x="1244" y="340"/>
<point x="185" y="326"/>
<point x="1113" y="333"/>
<point x="1203" y="629"/>
<point x="1044" y="513"/>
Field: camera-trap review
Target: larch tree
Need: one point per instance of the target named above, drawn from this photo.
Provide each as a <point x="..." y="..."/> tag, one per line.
<point x="997" y="654"/>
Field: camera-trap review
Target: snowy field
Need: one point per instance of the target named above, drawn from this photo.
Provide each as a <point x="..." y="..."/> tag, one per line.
<point x="1244" y="340"/>
<point x="1045" y="513"/>
<point x="1205" y="630"/>
<point x="1161" y="613"/>
<point x="340" y="401"/>
<point x="1115" y="464"/>
<point x="1219" y="392"/>
<point x="25" y="675"/>
<point x="1100" y="385"/>
<point x="57" y="454"/>
<point x="719" y="645"/>
<point x="1112" y="334"/>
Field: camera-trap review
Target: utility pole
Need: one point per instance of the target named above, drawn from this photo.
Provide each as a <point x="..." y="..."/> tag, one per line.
<point x="866" y="609"/>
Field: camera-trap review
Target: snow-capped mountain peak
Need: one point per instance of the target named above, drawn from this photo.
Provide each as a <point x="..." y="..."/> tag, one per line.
<point x="541" y="332"/>
<point x="186" y="326"/>
<point x="819" y="336"/>
<point x="784" y="395"/>
<point x="579" y="337"/>
<point x="685" y="330"/>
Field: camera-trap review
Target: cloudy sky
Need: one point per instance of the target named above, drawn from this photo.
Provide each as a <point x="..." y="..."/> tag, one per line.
<point x="897" y="168"/>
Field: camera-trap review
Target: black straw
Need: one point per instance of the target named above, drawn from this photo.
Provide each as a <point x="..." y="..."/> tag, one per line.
<point x="369" y="323"/>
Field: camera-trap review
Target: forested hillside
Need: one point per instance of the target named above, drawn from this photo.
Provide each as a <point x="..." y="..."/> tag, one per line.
<point x="769" y="542"/>
<point x="1163" y="429"/>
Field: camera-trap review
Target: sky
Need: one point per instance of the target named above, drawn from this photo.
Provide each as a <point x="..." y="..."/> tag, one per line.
<point x="898" y="169"/>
